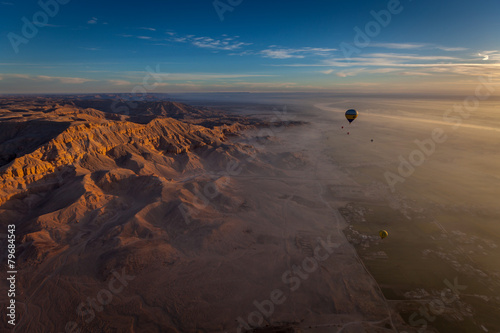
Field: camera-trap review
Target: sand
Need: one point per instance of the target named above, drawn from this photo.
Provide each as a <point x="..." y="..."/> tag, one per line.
<point x="223" y="235"/>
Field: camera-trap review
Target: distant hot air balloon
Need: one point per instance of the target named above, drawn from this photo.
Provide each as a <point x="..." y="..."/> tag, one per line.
<point x="351" y="114"/>
<point x="383" y="234"/>
<point x="347" y="133"/>
<point x="342" y="126"/>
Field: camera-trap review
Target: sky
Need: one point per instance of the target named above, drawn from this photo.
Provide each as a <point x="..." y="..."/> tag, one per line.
<point x="162" y="46"/>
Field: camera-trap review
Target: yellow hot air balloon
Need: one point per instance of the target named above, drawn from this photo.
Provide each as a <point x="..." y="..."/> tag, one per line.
<point x="383" y="234"/>
<point x="351" y="114"/>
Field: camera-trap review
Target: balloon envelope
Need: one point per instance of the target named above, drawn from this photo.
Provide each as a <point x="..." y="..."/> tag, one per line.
<point x="351" y="114"/>
<point x="383" y="234"/>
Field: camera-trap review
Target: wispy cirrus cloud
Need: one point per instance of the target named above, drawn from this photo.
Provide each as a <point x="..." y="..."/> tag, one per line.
<point x="490" y="55"/>
<point x="414" y="73"/>
<point x="227" y="44"/>
<point x="65" y="80"/>
<point x="136" y="36"/>
<point x="223" y="43"/>
<point x="484" y="55"/>
<point x="416" y="46"/>
<point x="95" y="20"/>
<point x="198" y="76"/>
<point x="40" y="79"/>
<point x="50" y="25"/>
<point x="234" y="86"/>
<point x="451" y="49"/>
<point x="354" y="72"/>
<point x="119" y="82"/>
<point x="232" y="43"/>
<point x="244" y="53"/>
<point x="45" y="78"/>
<point x="386" y="59"/>
<point x="280" y="54"/>
<point x="402" y="56"/>
<point x="276" y="52"/>
<point x="399" y="46"/>
<point x="14" y="83"/>
<point x="383" y="60"/>
<point x="210" y="76"/>
<point x="409" y="64"/>
<point x="90" y="48"/>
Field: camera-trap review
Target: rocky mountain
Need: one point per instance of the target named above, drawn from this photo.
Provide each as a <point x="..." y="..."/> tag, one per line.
<point x="38" y="140"/>
<point x="92" y="192"/>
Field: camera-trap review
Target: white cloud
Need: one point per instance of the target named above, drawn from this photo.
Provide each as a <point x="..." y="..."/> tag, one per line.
<point x="18" y="76"/>
<point x="342" y="74"/>
<point x="95" y="20"/>
<point x="409" y="64"/>
<point x="451" y="49"/>
<point x="410" y="46"/>
<point x="490" y="55"/>
<point x="119" y="82"/>
<point x="415" y="73"/>
<point x="397" y="57"/>
<point x="217" y="44"/>
<point x="199" y="76"/>
<point x="146" y="28"/>
<point x="46" y="78"/>
<point x="51" y="25"/>
<point x="281" y="54"/>
<point x="223" y="44"/>
<point x="243" y="53"/>
<point x="275" y="52"/>
<point x="65" y="80"/>
<point x="356" y="71"/>
<point x="135" y="36"/>
<point x="387" y="60"/>
<point x="41" y="79"/>
<point x="402" y="46"/>
<point x="485" y="56"/>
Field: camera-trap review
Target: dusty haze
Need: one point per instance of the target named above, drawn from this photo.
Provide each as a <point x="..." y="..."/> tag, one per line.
<point x="196" y="219"/>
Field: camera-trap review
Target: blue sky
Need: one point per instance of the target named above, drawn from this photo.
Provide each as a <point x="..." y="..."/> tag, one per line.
<point x="110" y="46"/>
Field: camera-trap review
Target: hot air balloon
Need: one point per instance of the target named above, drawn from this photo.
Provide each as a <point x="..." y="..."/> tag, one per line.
<point x="383" y="234"/>
<point x="351" y="114"/>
